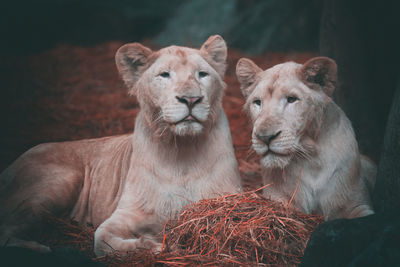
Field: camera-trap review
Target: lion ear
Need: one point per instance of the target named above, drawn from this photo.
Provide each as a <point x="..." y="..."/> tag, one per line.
<point x="131" y="60"/>
<point x="246" y="73"/>
<point x="319" y="73"/>
<point x="214" y="50"/>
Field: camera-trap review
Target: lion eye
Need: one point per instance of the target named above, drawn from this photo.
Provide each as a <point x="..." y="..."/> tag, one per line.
<point x="202" y="74"/>
<point x="164" y="74"/>
<point x="257" y="102"/>
<point x="292" y="99"/>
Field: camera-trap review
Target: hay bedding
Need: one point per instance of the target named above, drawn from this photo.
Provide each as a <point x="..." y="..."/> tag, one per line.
<point x="233" y="230"/>
<point x="72" y="92"/>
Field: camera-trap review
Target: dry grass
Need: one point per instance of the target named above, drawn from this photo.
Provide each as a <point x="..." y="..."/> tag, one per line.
<point x="234" y="230"/>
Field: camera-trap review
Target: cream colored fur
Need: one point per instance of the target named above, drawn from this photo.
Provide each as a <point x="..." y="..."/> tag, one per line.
<point x="130" y="185"/>
<point x="305" y="139"/>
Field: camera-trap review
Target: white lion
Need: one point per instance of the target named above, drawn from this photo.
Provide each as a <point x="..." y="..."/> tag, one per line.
<point x="180" y="152"/>
<point x="307" y="144"/>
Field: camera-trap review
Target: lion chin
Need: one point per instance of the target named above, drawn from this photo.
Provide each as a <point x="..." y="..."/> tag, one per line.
<point x="272" y="160"/>
<point x="188" y="128"/>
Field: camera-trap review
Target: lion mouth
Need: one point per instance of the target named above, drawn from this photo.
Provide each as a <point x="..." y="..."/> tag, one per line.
<point x="274" y="153"/>
<point x="188" y="118"/>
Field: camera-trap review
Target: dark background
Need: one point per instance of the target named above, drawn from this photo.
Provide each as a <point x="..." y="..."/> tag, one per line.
<point x="59" y="81"/>
<point x="253" y="26"/>
<point x="53" y="47"/>
<point x="359" y="35"/>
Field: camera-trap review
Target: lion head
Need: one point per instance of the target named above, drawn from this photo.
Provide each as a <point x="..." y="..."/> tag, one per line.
<point x="286" y="104"/>
<point x="179" y="89"/>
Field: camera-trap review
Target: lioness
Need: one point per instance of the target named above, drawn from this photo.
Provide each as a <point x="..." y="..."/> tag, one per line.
<point x="180" y="152"/>
<point x="307" y="144"/>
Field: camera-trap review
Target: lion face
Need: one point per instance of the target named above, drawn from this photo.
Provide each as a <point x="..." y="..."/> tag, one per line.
<point x="286" y="103"/>
<point x="179" y="89"/>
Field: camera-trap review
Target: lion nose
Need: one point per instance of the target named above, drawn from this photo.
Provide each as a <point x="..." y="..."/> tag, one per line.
<point x="189" y="101"/>
<point x="268" y="138"/>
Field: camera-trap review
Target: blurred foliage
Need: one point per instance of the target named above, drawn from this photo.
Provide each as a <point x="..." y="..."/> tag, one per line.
<point x="254" y="26"/>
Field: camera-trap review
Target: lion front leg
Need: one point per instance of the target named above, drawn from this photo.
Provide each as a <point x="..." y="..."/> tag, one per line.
<point x="360" y="211"/>
<point x="126" y="231"/>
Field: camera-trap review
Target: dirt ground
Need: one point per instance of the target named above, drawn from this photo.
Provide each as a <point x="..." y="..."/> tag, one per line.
<point x="73" y="92"/>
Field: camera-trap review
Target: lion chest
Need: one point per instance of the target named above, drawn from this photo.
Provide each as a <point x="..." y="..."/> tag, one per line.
<point x="314" y="186"/>
<point x="302" y="182"/>
<point x="172" y="199"/>
<point x="165" y="192"/>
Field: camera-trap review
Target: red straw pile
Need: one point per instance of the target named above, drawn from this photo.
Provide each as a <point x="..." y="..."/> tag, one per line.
<point x="241" y="229"/>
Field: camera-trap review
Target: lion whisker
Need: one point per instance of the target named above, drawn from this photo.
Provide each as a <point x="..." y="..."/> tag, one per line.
<point x="163" y="130"/>
<point x="250" y="153"/>
<point x="301" y="152"/>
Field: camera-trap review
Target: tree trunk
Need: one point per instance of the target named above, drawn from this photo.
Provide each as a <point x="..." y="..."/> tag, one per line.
<point x="386" y="195"/>
<point x="361" y="37"/>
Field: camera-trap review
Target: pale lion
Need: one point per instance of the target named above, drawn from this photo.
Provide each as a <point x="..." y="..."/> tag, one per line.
<point x="180" y="152"/>
<point x="307" y="145"/>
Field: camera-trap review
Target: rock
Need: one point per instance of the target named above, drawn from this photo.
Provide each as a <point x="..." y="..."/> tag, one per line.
<point x="369" y="241"/>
